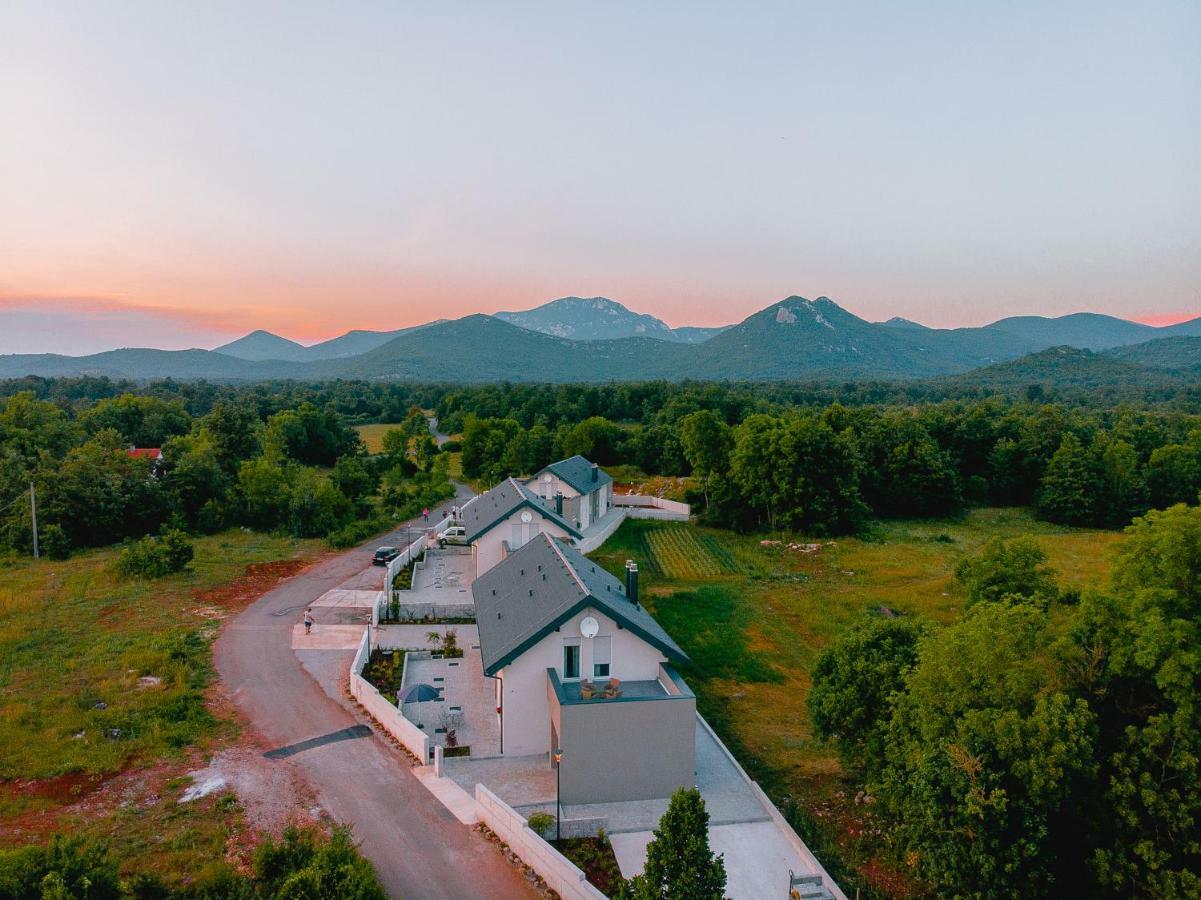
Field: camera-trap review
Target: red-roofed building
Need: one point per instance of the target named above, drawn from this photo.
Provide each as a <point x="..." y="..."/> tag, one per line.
<point x="154" y="454"/>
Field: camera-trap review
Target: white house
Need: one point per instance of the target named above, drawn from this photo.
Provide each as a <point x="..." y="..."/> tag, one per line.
<point x="505" y="518"/>
<point x="580" y="666"/>
<point x="586" y="490"/>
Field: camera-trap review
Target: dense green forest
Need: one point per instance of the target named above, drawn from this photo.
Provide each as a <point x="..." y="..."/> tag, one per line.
<point x="1043" y="744"/>
<point x="287" y="466"/>
<point x="797" y="456"/>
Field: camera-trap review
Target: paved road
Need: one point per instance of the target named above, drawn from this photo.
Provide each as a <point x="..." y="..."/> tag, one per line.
<point x="419" y="849"/>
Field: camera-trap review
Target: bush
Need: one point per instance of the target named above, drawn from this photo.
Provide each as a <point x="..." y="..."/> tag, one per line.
<point x="541" y="823"/>
<point x="54" y="542"/>
<point x="68" y="867"/>
<point x="355" y="533"/>
<point x="154" y="557"/>
<point x="451" y="447"/>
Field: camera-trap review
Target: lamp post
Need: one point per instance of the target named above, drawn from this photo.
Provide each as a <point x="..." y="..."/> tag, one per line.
<point x="558" y="758"/>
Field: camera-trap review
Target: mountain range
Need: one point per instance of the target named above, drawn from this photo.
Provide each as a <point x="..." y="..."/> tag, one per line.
<point x="596" y="339"/>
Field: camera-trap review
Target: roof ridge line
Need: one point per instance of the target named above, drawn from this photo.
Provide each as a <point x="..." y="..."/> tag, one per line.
<point x="570" y="567"/>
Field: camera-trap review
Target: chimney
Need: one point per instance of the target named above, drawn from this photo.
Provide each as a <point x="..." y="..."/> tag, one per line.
<point x="559" y="502"/>
<point x="632" y="581"/>
<point x="595" y="471"/>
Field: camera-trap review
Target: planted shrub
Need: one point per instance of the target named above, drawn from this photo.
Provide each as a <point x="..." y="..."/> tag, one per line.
<point x="156" y="556"/>
<point x="55" y="543"/>
<point x="541" y="823"/>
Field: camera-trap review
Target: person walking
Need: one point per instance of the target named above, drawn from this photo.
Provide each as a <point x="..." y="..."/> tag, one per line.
<point x="426" y="513"/>
<point x="308" y="620"/>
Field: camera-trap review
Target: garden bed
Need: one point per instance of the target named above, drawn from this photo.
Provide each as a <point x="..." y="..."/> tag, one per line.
<point x="384" y="670"/>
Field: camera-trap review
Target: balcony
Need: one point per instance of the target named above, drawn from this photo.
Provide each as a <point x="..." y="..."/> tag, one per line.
<point x="668" y="686"/>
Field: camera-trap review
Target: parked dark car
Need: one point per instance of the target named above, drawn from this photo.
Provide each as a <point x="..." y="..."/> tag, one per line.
<point x="384" y="555"/>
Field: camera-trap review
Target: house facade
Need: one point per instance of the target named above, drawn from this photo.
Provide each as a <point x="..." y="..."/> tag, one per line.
<point x="507" y="517"/>
<point x="586" y="490"/>
<point x="580" y="666"/>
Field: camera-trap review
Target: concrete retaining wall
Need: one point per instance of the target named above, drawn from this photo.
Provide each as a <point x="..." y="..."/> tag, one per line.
<point x="641" y="506"/>
<point x="556" y="870"/>
<point x="594" y="540"/>
<point x="413" y="738"/>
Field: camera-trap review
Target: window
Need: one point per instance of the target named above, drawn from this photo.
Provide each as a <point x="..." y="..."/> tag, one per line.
<point x="571" y="660"/>
<point x="601" y="656"/>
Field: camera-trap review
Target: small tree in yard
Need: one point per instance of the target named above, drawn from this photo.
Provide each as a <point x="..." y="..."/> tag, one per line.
<point x="679" y="863"/>
<point x="154" y="557"/>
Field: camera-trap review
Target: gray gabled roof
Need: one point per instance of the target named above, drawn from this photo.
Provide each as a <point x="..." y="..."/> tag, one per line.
<point x="577" y="472"/>
<point x="492" y="507"/>
<point x="537" y="588"/>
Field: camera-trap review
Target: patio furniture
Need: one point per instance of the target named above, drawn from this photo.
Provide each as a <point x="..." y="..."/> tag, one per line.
<point x="613" y="689"/>
<point x="587" y="690"/>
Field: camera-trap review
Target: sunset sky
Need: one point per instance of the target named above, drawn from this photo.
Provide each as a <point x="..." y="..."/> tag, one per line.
<point x="177" y="174"/>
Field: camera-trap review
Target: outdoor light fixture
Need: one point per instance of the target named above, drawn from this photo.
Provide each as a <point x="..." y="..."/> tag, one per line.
<point x="557" y="756"/>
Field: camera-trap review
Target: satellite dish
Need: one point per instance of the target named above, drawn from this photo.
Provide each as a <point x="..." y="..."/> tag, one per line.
<point x="527" y="517"/>
<point x="589" y="627"/>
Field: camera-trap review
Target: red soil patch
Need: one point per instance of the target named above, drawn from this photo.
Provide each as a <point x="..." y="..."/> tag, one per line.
<point x="70" y="788"/>
<point x="255" y="581"/>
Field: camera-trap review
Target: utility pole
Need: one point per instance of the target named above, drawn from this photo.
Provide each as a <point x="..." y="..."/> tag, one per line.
<point x="33" y="514"/>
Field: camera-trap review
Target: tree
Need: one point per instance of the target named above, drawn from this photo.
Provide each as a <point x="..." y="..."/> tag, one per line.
<point x="706" y="440"/>
<point x="679" y="863"/>
<point x="1069" y="485"/>
<point x="154" y="557"/>
<point x="1163" y="550"/>
<point x="1122" y="492"/>
<point x="235" y="433"/>
<point x="853" y="684"/>
<point x="986" y="757"/>
<point x="1014" y="569"/>
<point x="1174" y="473"/>
<point x="141" y="420"/>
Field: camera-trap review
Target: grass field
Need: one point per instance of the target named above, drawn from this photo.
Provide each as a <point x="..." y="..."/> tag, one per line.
<point x="753" y="619"/>
<point x="99" y="672"/>
<point x="373" y="435"/>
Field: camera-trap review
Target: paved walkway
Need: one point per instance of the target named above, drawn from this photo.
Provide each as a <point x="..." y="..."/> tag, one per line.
<point x="419" y="849"/>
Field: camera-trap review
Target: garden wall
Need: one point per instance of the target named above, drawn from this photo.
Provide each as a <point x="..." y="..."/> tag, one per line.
<point x="594" y="540"/>
<point x="388" y="716"/>
<point x="642" y="506"/>
<point x="563" y="876"/>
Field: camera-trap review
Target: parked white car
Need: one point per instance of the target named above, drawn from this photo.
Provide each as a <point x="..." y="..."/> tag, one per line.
<point x="454" y="534"/>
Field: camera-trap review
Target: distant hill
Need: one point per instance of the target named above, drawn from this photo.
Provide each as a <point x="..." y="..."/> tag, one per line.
<point x="1058" y="369"/>
<point x="898" y="322"/>
<point x="587" y="319"/>
<point x="601" y="319"/>
<point x="1086" y="331"/>
<point x="147" y="364"/>
<point x="800" y="338"/>
<point x="1182" y="353"/>
<point x="484" y="348"/>
<point x="260" y="345"/>
<point x="695" y="334"/>
<point x="795" y="338"/>
<point x="355" y="342"/>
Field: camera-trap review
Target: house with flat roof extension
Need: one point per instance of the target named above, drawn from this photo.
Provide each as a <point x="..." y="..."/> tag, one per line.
<point x="580" y="666"/>
<point x="505" y="518"/>
<point x="586" y="491"/>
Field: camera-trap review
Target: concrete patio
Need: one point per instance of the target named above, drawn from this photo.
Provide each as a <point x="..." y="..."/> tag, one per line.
<point x="441" y="585"/>
<point x="466" y="703"/>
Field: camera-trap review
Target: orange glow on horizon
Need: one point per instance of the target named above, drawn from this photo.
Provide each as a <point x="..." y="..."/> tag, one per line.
<point x="1160" y="320"/>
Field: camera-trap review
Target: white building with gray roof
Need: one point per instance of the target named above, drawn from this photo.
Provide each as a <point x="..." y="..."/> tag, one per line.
<point x="579" y="665"/>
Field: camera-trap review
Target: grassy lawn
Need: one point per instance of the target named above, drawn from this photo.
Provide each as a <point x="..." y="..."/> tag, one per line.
<point x="373" y="435"/>
<point x="753" y="619"/>
<point x="99" y="673"/>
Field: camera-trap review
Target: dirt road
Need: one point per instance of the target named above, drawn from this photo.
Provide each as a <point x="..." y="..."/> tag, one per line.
<point x="419" y="849"/>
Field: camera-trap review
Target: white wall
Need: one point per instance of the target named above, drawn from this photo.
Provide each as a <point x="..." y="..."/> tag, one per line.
<point x="388" y="716"/>
<point x="526" y="711"/>
<point x="548" y="489"/>
<point x="560" y="874"/>
<point x="488" y="549"/>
